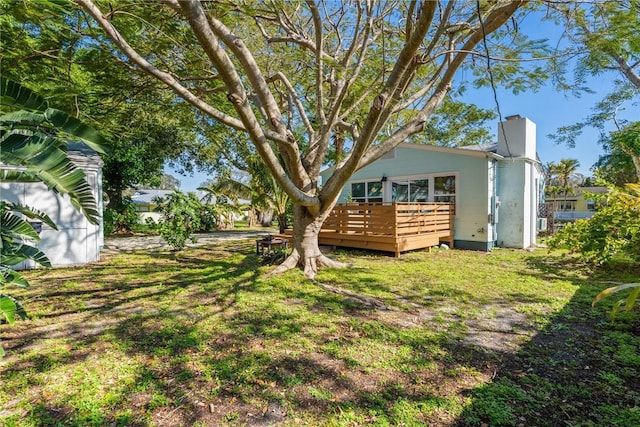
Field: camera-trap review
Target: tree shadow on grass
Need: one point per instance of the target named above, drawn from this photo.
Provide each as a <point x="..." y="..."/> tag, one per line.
<point x="213" y="343"/>
<point x="579" y="369"/>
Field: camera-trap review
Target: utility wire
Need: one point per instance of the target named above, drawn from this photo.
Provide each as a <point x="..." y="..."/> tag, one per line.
<point x="493" y="85"/>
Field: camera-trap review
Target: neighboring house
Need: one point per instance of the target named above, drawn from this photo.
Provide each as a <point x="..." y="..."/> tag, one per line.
<point x="146" y="203"/>
<point x="76" y="241"/>
<point x="496" y="188"/>
<point x="576" y="205"/>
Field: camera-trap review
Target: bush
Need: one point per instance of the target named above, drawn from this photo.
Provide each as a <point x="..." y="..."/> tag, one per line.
<point x="180" y="218"/>
<point x="613" y="230"/>
<point x="208" y="218"/>
<point x="120" y="221"/>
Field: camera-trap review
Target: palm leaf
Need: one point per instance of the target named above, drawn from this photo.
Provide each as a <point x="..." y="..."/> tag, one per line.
<point x="54" y="168"/>
<point x="9" y="175"/>
<point x="16" y="228"/>
<point x="8" y="275"/>
<point x="14" y="94"/>
<point x="74" y="127"/>
<point x="13" y="254"/>
<point x="10" y="307"/>
<point x="31" y="213"/>
<point x="62" y="176"/>
<point x="22" y="117"/>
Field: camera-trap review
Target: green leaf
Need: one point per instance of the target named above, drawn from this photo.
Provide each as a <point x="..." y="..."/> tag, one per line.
<point x="616" y="308"/>
<point x="31" y="213"/>
<point x="7" y="175"/>
<point x="10" y="276"/>
<point x="15" y="227"/>
<point x="76" y="128"/>
<point x="15" y="95"/>
<point x="13" y="254"/>
<point x="613" y="290"/>
<point x="631" y="299"/>
<point x="22" y="117"/>
<point x="10" y="307"/>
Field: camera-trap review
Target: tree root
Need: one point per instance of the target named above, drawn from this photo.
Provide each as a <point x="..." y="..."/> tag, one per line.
<point x="288" y="264"/>
<point x="365" y="300"/>
<point x="310" y="265"/>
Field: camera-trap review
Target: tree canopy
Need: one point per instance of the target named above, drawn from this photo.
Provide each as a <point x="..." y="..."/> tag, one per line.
<point x="301" y="78"/>
<point x="44" y="47"/>
<point x="602" y="39"/>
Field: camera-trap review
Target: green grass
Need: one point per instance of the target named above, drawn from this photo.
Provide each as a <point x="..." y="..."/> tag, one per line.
<point x="199" y="337"/>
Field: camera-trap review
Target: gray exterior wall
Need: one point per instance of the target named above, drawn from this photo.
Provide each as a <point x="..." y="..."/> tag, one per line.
<point x="474" y="187"/>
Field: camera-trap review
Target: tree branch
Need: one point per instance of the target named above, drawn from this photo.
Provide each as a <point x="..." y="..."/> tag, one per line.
<point x="206" y="29"/>
<point x="164" y="77"/>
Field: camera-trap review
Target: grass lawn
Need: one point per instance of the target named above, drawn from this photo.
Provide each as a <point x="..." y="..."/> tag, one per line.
<point x="200" y="338"/>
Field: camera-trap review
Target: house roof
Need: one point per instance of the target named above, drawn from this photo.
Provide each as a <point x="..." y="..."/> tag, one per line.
<point x="482" y="150"/>
<point x="491" y="147"/>
<point x="142" y="197"/>
<point x="149" y="196"/>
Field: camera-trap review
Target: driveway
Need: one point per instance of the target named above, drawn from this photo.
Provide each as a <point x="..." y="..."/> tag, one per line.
<point x="136" y="243"/>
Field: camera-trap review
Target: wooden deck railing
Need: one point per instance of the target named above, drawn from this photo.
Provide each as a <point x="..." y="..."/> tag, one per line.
<point x="393" y="219"/>
<point x="388" y="226"/>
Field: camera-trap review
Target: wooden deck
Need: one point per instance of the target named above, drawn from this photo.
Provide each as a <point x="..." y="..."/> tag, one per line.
<point x="392" y="227"/>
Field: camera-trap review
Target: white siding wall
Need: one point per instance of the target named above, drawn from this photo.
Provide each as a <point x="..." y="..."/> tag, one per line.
<point x="76" y="241"/>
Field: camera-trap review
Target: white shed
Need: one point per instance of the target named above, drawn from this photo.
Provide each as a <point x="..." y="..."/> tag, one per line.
<point x="76" y="241"/>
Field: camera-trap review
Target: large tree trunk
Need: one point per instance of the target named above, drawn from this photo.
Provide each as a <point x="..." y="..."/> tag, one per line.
<point x="636" y="163"/>
<point x="305" y="249"/>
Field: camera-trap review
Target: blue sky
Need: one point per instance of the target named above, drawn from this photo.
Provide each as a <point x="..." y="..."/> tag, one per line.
<point x="546" y="107"/>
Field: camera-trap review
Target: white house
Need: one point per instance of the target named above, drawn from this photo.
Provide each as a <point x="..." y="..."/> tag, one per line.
<point x="146" y="203"/>
<point x="76" y="241"/>
<point x="496" y="188"/>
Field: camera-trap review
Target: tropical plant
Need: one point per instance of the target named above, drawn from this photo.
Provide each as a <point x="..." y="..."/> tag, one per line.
<point x="629" y="302"/>
<point x="44" y="47"/>
<point x="256" y="185"/>
<point x="123" y="219"/>
<point x="34" y="139"/>
<point x="16" y="235"/>
<point x="180" y="218"/>
<point x="614" y="229"/>
<point x="33" y="142"/>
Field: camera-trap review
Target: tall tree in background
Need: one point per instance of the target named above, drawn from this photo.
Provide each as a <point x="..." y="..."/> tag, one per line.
<point x="562" y="178"/>
<point x="627" y="141"/>
<point x="298" y="74"/>
<point x="43" y="47"/>
<point x="603" y="38"/>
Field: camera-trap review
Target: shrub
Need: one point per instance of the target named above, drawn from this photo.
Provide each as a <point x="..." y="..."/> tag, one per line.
<point x="612" y="231"/>
<point x="180" y="218"/>
<point x="120" y="221"/>
<point x="208" y="217"/>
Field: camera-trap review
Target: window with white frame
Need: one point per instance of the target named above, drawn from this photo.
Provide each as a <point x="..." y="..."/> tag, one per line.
<point x="444" y="189"/>
<point x="430" y="188"/>
<point x="366" y="192"/>
<point x="412" y="190"/>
